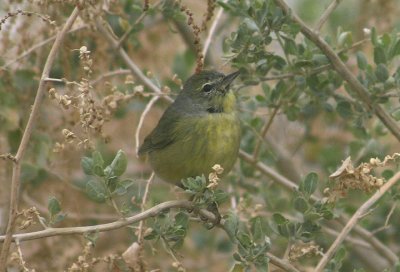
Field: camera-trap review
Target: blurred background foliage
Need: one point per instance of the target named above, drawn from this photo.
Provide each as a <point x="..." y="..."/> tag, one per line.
<point x="298" y="117"/>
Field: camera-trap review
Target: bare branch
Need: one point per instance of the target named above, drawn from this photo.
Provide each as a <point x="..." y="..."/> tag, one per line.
<point x="285" y="265"/>
<point x="341" y="69"/>
<point x="37" y="46"/>
<point x="131" y="65"/>
<point x="154" y="211"/>
<point x="264" y="131"/>
<point x="141" y="121"/>
<point x="212" y="30"/>
<point x="353" y="221"/>
<point x="132" y="27"/>
<point x="144" y="200"/>
<point x="326" y="14"/>
<point x="15" y="181"/>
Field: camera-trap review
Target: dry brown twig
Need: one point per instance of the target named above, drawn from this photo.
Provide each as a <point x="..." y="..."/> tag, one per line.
<point x="15" y="180"/>
<point x="133" y="255"/>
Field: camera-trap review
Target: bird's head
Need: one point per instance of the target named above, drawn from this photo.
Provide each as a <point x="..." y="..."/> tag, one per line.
<point x="208" y="91"/>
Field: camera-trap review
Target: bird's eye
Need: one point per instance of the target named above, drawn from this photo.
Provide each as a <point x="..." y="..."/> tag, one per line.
<point x="207" y="87"/>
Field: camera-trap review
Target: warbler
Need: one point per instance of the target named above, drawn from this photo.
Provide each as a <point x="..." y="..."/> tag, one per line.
<point x="199" y="129"/>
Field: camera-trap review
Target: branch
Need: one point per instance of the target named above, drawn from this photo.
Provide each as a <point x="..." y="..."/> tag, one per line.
<point x="131" y="65"/>
<point x="326" y="14"/>
<point x="37" y="46"/>
<point x="141" y="121"/>
<point x="281" y="263"/>
<point x="111" y="74"/>
<point x="154" y="211"/>
<point x="15" y="181"/>
<point x="342" y="70"/>
<point x="132" y="27"/>
<point x="212" y="30"/>
<point x="354" y="219"/>
<point x="264" y="131"/>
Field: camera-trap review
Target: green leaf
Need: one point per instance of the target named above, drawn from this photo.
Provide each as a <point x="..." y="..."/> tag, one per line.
<point x="87" y="165"/>
<point x="382" y="72"/>
<point x="309" y="185"/>
<point x="244" y="239"/>
<point x="300" y="204"/>
<point x="119" y="164"/>
<point x="344" y="109"/>
<point x="362" y="62"/>
<point x="279" y="219"/>
<point x="257" y="229"/>
<point x="345" y="39"/>
<point x="374" y="37"/>
<point x="181" y="219"/>
<point x="96" y="190"/>
<point x="98" y="163"/>
<point x="340" y="254"/>
<point x="58" y="218"/>
<point x="231" y="224"/>
<point x="53" y="205"/>
<point x="395" y="50"/>
<point x="379" y="55"/>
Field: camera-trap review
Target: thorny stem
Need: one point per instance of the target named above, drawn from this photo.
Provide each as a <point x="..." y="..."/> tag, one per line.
<point x="15" y="181"/>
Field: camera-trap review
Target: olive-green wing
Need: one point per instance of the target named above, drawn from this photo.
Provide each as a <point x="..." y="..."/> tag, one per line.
<point x="162" y="135"/>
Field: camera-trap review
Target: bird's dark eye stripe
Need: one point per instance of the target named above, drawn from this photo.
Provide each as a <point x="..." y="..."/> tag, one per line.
<point x="207" y="87"/>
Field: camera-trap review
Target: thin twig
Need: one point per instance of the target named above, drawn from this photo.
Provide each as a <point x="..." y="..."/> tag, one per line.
<point x="353" y="221"/>
<point x="144" y="200"/>
<point x="285" y="265"/>
<point x="265" y="130"/>
<point x="152" y="101"/>
<point x="110" y="74"/>
<point x="132" y="27"/>
<point x="70" y="215"/>
<point x="212" y="30"/>
<point x="125" y="57"/>
<point x="21" y="257"/>
<point x="37" y="46"/>
<point x="360" y="90"/>
<point x="326" y="14"/>
<point x="15" y="181"/>
<point x="386" y="225"/>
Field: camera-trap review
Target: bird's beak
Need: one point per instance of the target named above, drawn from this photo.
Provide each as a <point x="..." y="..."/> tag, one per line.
<point x="227" y="80"/>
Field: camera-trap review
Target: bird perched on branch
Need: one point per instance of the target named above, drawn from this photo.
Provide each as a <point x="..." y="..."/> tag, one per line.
<point x="199" y="129"/>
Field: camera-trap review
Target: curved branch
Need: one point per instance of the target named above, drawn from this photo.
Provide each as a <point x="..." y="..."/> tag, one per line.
<point x="103" y="227"/>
